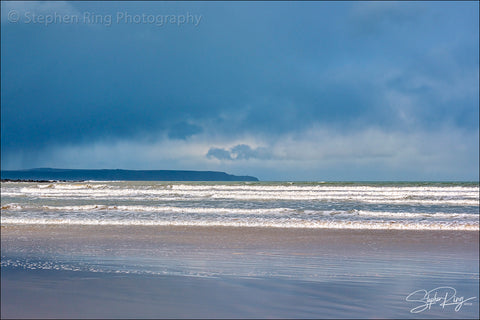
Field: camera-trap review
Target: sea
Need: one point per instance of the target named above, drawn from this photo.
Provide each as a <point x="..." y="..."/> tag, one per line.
<point x="332" y="205"/>
<point x="269" y="249"/>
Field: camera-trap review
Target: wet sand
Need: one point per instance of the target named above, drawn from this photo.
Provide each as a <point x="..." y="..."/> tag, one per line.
<point x="210" y="272"/>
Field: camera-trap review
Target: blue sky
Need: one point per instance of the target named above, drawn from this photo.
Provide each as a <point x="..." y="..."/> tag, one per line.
<point x="283" y="91"/>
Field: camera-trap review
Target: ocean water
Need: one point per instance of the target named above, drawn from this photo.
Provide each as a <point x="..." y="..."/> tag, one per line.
<point x="417" y="206"/>
<point x="323" y="250"/>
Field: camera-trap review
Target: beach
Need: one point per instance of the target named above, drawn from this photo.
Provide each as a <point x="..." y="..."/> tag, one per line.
<point x="183" y="159"/>
<point x="227" y="272"/>
<point x="153" y="249"/>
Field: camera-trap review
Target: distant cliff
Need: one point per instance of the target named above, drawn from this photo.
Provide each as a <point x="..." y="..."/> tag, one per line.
<point x="117" y="174"/>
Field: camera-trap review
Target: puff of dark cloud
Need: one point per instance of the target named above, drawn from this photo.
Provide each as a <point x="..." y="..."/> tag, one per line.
<point x="239" y="152"/>
<point x="219" y="153"/>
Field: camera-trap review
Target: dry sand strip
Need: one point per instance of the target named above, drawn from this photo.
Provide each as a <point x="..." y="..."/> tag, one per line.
<point x="240" y="237"/>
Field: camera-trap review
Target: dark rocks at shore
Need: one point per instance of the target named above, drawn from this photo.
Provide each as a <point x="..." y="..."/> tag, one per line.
<point x="38" y="181"/>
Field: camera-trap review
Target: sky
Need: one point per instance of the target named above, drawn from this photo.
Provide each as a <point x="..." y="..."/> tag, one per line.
<point x="286" y="91"/>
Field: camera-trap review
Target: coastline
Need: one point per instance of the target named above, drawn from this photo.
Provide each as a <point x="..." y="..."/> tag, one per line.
<point x="38" y="181"/>
<point x="228" y="272"/>
<point x="244" y="235"/>
<point x="121" y="175"/>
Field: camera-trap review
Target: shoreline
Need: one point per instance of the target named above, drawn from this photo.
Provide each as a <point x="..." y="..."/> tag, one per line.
<point x="231" y="272"/>
<point x="123" y="175"/>
<point x="39" y="181"/>
<point x="149" y="240"/>
<point x="233" y="233"/>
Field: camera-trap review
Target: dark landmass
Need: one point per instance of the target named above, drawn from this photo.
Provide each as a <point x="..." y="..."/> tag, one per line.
<point x="49" y="174"/>
<point x="38" y="181"/>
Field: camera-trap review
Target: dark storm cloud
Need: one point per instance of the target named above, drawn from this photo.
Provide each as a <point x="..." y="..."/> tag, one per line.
<point x="183" y="130"/>
<point x="239" y="152"/>
<point x="219" y="153"/>
<point x="371" y="17"/>
<point x="247" y="69"/>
